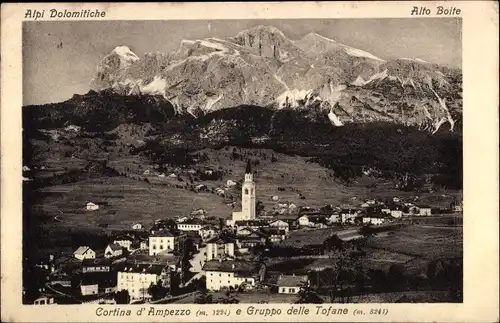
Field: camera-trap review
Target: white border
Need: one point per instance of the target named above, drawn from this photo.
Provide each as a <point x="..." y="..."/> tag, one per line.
<point x="480" y="70"/>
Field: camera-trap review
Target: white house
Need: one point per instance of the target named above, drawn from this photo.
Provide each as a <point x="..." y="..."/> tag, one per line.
<point x="190" y="225"/>
<point x="424" y="210"/>
<point x="207" y="232"/>
<point x="291" y="284"/>
<point x="124" y="241"/>
<point x="280" y="224"/>
<point x="220" y="247"/>
<point x="84" y="252"/>
<point x="335" y="218"/>
<point x="44" y="300"/>
<point x="113" y="250"/>
<point x="136" y="279"/>
<point x="92" y="206"/>
<point x="89" y="288"/>
<point x="230" y="183"/>
<point x="374" y="220"/>
<point x="164" y="241"/>
<point x="137" y="226"/>
<point x="303" y="221"/>
<point x="396" y="213"/>
<point x="232" y="273"/>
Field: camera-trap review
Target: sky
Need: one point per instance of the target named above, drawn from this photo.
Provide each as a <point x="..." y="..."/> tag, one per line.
<point x="53" y="73"/>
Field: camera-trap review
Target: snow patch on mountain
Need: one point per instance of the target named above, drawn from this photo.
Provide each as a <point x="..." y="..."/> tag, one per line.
<point x="359" y="81"/>
<point x="360" y="53"/>
<point x="125" y="52"/>
<point x="414" y="60"/>
<point x="157" y="86"/>
<point x="334" y="119"/>
<point x="211" y="102"/>
<point x="296" y="99"/>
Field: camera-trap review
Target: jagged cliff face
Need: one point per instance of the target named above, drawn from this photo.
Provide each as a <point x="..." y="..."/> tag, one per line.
<point x="262" y="67"/>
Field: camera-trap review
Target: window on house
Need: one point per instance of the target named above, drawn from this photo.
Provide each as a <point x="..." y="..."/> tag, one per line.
<point x="154" y="247"/>
<point x="246" y="191"/>
<point x="220" y="275"/>
<point x="161" y="247"/>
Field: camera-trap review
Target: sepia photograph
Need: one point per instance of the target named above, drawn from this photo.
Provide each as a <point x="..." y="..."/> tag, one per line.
<point x="242" y="161"/>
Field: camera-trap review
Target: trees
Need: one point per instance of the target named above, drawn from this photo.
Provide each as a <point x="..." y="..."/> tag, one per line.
<point x="204" y="298"/>
<point x="122" y="297"/>
<point x="307" y="295"/>
<point x="157" y="291"/>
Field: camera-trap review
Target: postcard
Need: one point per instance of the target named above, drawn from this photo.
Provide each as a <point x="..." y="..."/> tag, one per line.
<point x="263" y="161"/>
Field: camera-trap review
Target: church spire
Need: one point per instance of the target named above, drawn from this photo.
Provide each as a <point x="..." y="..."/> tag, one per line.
<point x="248" y="170"/>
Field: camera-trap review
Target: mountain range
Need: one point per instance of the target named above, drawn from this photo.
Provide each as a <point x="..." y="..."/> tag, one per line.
<point x="343" y="107"/>
<point x="261" y="66"/>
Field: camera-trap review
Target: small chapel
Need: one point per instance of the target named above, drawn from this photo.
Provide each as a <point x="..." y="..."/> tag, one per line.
<point x="248" y="202"/>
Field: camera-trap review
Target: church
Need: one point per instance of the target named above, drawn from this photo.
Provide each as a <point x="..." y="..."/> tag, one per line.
<point x="248" y="202"/>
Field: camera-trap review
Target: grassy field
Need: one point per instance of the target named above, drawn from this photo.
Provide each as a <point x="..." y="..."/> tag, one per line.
<point x="122" y="202"/>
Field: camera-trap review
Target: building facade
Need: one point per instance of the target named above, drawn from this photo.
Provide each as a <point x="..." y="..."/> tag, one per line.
<point x="136" y="279"/>
<point x="222" y="274"/>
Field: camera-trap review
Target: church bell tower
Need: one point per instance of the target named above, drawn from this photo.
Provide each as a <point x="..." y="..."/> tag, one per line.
<point x="248" y="194"/>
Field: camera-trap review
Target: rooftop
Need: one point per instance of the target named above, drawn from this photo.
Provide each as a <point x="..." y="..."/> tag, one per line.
<point x="163" y="233"/>
<point x="291" y="280"/>
<point x="82" y="250"/>
<point x="97" y="262"/>
<point x="115" y="246"/>
<point x="249" y="223"/>
<point x="234" y="266"/>
<point x="141" y="268"/>
<point x="303" y="238"/>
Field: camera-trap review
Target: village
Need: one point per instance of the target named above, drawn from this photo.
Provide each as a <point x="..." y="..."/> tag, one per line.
<point x="195" y="255"/>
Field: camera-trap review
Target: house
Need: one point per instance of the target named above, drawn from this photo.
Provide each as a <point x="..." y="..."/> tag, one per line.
<point x="291" y="284"/>
<point x="244" y="226"/>
<point x="164" y="241"/>
<point x="136" y="279"/>
<point x="207" y="232"/>
<point x="96" y="265"/>
<point x="374" y="219"/>
<point x="456" y="206"/>
<point x="348" y="216"/>
<point x="113" y="250"/>
<point x="137" y="226"/>
<point x="44" y="300"/>
<point x="252" y="239"/>
<point x="303" y="221"/>
<point x="89" y="287"/>
<point x="274" y="234"/>
<point x="280" y="224"/>
<point x="97" y="283"/>
<point x="220" y="192"/>
<point x="230" y="183"/>
<point x="181" y="219"/>
<point x="220" y="247"/>
<point x="201" y="188"/>
<point x="424" y="210"/>
<point x="232" y="273"/>
<point x="334" y="218"/>
<point x="84" y="252"/>
<point x="92" y="206"/>
<point x="318" y="221"/>
<point x="190" y="225"/>
<point x="125" y="241"/>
